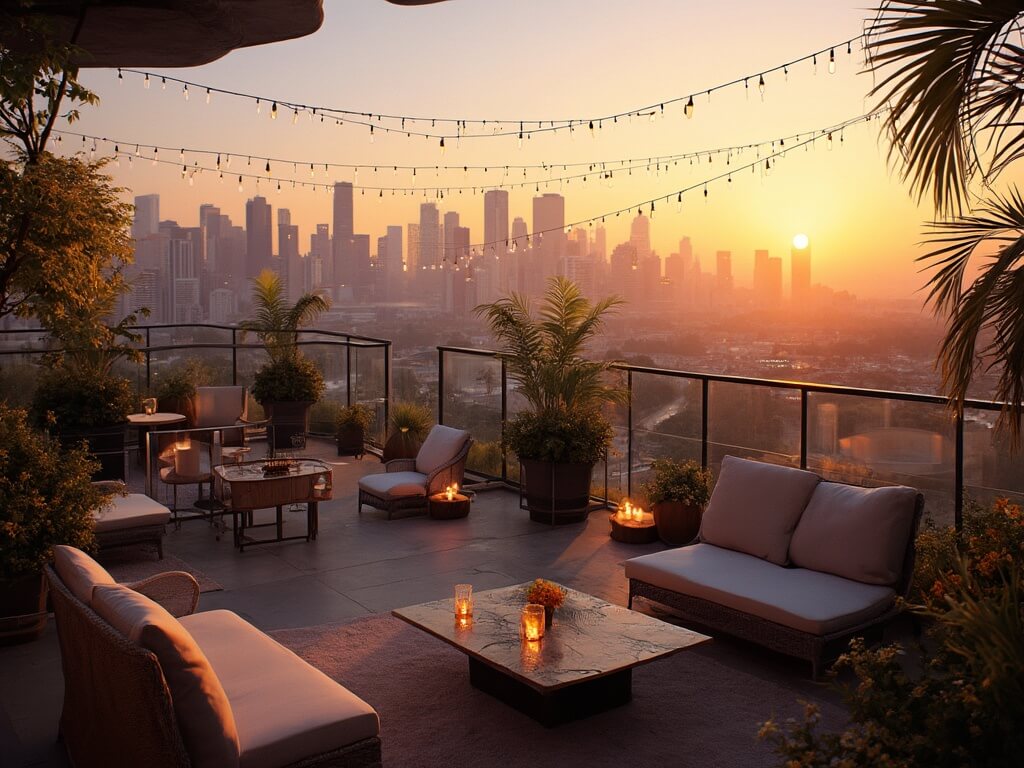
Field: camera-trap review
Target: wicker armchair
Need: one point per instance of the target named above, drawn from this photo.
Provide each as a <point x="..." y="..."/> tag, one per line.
<point x="120" y="706"/>
<point x="406" y="484"/>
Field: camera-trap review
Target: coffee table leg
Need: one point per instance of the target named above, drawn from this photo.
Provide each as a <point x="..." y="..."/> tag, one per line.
<point x="582" y="699"/>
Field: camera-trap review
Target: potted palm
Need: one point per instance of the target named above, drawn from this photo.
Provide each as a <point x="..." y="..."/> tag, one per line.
<point x="289" y="384"/>
<point x="46" y="497"/>
<point x="564" y="432"/>
<point x="410" y="423"/>
<point x="352" y="425"/>
<point x="678" y="493"/>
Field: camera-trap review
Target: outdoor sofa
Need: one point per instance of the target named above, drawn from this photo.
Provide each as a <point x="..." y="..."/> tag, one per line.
<point x="789" y="561"/>
<point x="129" y="518"/>
<point x="203" y="690"/>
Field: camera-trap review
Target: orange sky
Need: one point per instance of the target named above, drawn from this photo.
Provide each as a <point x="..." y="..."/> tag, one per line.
<point x="537" y="59"/>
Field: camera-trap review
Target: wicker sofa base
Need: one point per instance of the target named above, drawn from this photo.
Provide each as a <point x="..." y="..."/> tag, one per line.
<point x="412" y="505"/>
<point x="817" y="649"/>
<point x="142" y="534"/>
<point x="362" y="754"/>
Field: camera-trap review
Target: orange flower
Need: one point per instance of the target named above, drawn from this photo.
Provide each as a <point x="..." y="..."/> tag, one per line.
<point x="546" y="593"/>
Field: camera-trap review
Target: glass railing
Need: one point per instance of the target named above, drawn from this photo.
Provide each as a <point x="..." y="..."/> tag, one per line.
<point x="862" y="436"/>
<point x="356" y="369"/>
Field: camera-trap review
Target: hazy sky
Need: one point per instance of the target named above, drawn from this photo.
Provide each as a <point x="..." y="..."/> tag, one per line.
<point x="540" y="59"/>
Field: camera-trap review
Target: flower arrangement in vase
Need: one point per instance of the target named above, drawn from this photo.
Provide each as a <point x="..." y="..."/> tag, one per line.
<point x="548" y="594"/>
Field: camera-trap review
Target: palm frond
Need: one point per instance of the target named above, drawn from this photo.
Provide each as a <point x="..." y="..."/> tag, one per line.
<point x="939" y="62"/>
<point x="275" y="322"/>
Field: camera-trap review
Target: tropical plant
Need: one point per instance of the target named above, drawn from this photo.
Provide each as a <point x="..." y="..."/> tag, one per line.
<point x="411" y="418"/>
<point x="950" y="76"/>
<point x="683" y="481"/>
<point x="46" y="496"/>
<point x="543" y="354"/>
<point x="276" y="322"/>
<point x="288" y="376"/>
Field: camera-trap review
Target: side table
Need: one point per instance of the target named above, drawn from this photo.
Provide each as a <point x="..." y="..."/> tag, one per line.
<point x="440" y="507"/>
<point x="145" y="422"/>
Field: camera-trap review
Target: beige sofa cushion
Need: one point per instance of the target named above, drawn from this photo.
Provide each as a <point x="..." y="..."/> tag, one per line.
<point x="132" y="511"/>
<point x="285" y="709"/>
<point x="809" y="601"/>
<point x="201" y="707"/>
<point x="441" y="446"/>
<point x="395" y="485"/>
<point x="755" y="507"/>
<point x="79" y="572"/>
<point x="857" y="533"/>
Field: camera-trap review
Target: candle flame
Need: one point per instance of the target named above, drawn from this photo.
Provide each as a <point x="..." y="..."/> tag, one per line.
<point x="450" y="491"/>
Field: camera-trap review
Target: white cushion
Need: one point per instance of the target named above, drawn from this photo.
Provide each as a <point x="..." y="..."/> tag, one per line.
<point x="79" y="572"/>
<point x="132" y="511"/>
<point x="285" y="709"/>
<point x="201" y="707"/>
<point x="441" y="446"/>
<point x="395" y="485"/>
<point x="755" y="507"/>
<point x="857" y="533"/>
<point x="809" y="601"/>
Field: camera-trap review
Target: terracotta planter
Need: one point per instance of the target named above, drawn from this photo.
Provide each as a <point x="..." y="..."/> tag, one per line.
<point x="677" y="523"/>
<point x="556" y="493"/>
<point x="401" y="445"/>
<point x="287" y="419"/>
<point x="350" y="440"/>
<point x="22" y="608"/>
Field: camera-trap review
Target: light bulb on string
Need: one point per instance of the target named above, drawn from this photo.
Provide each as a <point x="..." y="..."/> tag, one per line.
<point x="679" y="203"/>
<point x="184" y="91"/>
<point x="295" y="116"/>
<point x="761" y="86"/>
<point x="688" y="109"/>
<point x="273" y="111"/>
<point x="832" y="61"/>
<point x="239" y="183"/>
<point x="259" y="106"/>
<point x="208" y="95"/>
<point x="442" y="145"/>
<point x="768" y="167"/>
<point x="828" y="140"/>
<point x="156" y="153"/>
<point x="120" y="76"/>
<point x="163" y="83"/>
<point x="814" y="61"/>
<point x="145" y="82"/>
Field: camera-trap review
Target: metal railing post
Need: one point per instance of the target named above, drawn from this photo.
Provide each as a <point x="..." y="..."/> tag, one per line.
<point x="348" y="371"/>
<point x="504" y="417"/>
<point x="234" y="358"/>
<point x="440" y="386"/>
<point x="387" y="388"/>
<point x="958" y="477"/>
<point x="704" y="387"/>
<point x="803" y="428"/>
<point x="629" y="434"/>
<point x="149" y="361"/>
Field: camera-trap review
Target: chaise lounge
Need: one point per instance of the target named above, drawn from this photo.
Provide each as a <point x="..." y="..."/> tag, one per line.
<point x="146" y="685"/>
<point x="789" y="561"/>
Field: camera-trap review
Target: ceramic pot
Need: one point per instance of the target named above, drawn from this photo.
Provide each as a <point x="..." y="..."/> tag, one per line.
<point x="677" y="523"/>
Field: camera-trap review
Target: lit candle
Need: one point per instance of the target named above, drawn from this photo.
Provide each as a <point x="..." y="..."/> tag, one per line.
<point x="149" y="406"/>
<point x="463" y="601"/>
<point x="186" y="458"/>
<point x="531" y="625"/>
<point x="450" y="491"/>
<point x="638" y="514"/>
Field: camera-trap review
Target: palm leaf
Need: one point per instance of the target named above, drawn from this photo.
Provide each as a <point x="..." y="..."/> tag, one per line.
<point x="275" y="322"/>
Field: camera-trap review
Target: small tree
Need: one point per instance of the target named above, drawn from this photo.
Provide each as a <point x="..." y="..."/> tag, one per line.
<point x="277" y="322"/>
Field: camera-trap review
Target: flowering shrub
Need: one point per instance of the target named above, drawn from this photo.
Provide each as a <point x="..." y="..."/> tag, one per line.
<point x="546" y="593"/>
<point x="959" y="700"/>
<point x="992" y="538"/>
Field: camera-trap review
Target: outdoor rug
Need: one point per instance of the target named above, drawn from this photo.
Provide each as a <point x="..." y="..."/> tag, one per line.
<point x="128" y="564"/>
<point x="687" y="710"/>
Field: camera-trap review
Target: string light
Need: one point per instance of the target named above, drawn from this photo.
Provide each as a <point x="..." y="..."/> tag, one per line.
<point x="460" y="127"/>
<point x="832" y="61"/>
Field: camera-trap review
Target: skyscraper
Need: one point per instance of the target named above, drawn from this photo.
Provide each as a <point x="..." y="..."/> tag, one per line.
<point x="723" y="274"/>
<point x="548" y="240"/>
<point x="292" y="268"/>
<point x="342" y="272"/>
<point x="800" y="275"/>
<point x="451" y="224"/>
<point x="322" y="261"/>
<point x="495" y="223"/>
<point x="640" y="236"/>
<point x="429" y="253"/>
<point x="146" y="220"/>
<point x="258" y="243"/>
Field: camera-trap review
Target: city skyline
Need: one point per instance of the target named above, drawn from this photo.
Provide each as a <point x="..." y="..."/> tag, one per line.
<point x="860" y="219"/>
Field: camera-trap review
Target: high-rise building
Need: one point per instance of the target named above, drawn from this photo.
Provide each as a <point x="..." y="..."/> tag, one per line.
<point x="723" y="275"/>
<point x="600" y="244"/>
<point x="640" y="236"/>
<point x="548" y="246"/>
<point x="800" y="276"/>
<point x="495" y="223"/>
<point x="451" y="224"/>
<point x="259" y="249"/>
<point x="292" y="266"/>
<point x="146" y="220"/>
<point x="389" y="263"/>
<point x="429" y="251"/>
<point x="412" y="241"/>
<point x="321" y="261"/>
<point x="342" y="271"/>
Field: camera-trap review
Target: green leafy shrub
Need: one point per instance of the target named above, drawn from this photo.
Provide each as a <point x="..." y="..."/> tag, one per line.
<point x="413" y="418"/>
<point x="558" y="436"/>
<point x="288" y="379"/>
<point x="46" y="496"/>
<point x="73" y="398"/>
<point x="181" y="382"/>
<point x="485" y="457"/>
<point x="683" y="481"/>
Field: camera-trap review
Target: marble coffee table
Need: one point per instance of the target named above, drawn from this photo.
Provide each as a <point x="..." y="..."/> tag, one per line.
<point x="583" y="665"/>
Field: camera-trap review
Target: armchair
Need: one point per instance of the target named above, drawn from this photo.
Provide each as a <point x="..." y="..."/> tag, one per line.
<point x="407" y="483"/>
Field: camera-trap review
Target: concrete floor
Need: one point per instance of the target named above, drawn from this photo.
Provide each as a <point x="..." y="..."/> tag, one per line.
<point x="360" y="565"/>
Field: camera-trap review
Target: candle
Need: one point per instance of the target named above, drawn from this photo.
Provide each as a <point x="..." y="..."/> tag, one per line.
<point x="186" y="458"/>
<point x="450" y="491"/>
<point x="531" y="625"/>
<point x="463" y="600"/>
<point x="638" y="514"/>
<point x="149" y="405"/>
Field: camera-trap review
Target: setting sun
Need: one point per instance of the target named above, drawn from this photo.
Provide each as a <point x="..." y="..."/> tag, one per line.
<point x="800" y="241"/>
